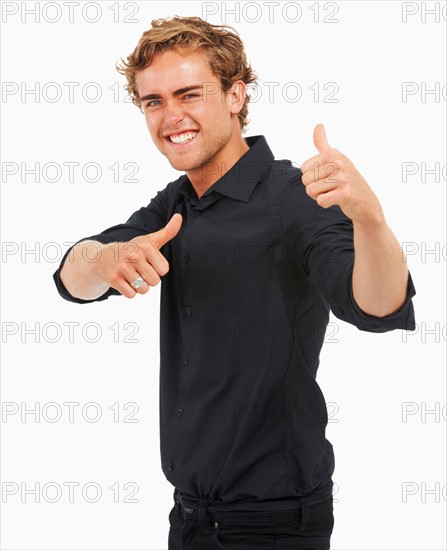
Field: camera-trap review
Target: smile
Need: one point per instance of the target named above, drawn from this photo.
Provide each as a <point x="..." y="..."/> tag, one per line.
<point x="182" y="139"/>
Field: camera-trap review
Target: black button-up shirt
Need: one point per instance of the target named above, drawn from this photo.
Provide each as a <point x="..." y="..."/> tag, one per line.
<point x="254" y="272"/>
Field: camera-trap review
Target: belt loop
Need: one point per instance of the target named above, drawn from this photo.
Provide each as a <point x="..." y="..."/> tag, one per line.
<point x="203" y="508"/>
<point x="177" y="505"/>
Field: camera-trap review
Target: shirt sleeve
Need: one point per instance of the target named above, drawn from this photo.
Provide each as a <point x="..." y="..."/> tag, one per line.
<point x="146" y="220"/>
<point x="323" y="240"/>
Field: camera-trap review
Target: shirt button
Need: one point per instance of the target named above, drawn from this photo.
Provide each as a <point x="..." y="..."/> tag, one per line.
<point x="187" y="360"/>
<point x="170" y="467"/>
<point x="186" y="257"/>
<point x="189" y="309"/>
<point x="179" y="412"/>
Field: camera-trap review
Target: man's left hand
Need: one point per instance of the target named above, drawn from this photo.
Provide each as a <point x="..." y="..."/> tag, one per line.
<point x="331" y="178"/>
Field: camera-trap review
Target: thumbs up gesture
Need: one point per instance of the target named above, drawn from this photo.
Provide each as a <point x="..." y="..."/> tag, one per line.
<point x="122" y="263"/>
<point x="331" y="178"/>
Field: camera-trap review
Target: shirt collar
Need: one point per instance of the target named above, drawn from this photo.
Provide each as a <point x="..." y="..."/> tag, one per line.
<point x="238" y="182"/>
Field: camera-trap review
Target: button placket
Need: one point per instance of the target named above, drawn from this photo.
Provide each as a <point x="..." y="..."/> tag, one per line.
<point x="186" y="260"/>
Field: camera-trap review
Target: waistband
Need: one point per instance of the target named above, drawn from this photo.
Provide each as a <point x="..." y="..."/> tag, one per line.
<point x="260" y="507"/>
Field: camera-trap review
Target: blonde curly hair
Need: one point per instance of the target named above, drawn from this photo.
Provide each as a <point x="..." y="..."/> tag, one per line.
<point x="221" y="45"/>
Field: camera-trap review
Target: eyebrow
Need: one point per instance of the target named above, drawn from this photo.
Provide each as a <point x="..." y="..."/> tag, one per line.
<point x="177" y="92"/>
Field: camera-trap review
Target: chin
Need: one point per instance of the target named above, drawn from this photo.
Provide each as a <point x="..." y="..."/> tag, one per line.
<point x="183" y="164"/>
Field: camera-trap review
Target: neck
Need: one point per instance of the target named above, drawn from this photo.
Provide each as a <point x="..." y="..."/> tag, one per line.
<point x="205" y="176"/>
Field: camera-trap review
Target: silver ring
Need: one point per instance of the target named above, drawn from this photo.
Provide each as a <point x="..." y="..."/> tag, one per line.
<point x="137" y="283"/>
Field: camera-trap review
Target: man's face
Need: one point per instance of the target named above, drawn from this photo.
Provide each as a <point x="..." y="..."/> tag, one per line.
<point x="174" y="108"/>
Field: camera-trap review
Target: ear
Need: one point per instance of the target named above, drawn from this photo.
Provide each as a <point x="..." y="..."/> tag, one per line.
<point x="236" y="94"/>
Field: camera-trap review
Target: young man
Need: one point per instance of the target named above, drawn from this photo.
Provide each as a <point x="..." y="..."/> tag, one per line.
<point x="253" y="255"/>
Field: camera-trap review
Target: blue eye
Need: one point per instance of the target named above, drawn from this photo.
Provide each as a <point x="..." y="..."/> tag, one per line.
<point x="150" y="103"/>
<point x="156" y="102"/>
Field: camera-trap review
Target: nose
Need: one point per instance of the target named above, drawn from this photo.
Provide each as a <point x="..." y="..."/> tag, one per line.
<point x="173" y="114"/>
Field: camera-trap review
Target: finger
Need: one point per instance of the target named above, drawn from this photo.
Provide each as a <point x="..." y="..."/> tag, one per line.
<point x="320" y="187"/>
<point x="317" y="160"/>
<point x="168" y="232"/>
<point x="326" y="200"/>
<point x="320" y="139"/>
<point x="130" y="278"/>
<point x="318" y="167"/>
<point x="306" y="166"/>
<point x="124" y="288"/>
<point x="156" y="262"/>
<point x="150" y="274"/>
<point x="143" y="288"/>
<point x="324" y="172"/>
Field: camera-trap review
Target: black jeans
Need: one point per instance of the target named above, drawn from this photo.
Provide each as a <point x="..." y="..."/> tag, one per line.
<point x="307" y="527"/>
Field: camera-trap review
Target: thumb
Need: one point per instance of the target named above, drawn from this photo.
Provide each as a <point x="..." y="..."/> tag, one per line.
<point x="320" y="139"/>
<point x="168" y="232"/>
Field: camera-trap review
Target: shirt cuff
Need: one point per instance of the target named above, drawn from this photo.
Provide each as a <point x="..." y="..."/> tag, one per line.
<point x="403" y="318"/>
<point x="60" y="285"/>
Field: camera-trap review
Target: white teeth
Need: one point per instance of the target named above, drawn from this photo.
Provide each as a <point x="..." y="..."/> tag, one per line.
<point x="181" y="138"/>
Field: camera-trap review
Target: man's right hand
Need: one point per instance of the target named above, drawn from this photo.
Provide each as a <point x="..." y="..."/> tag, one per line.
<point x="120" y="263"/>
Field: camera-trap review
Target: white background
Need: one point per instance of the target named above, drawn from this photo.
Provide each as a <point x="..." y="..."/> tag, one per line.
<point x="368" y="379"/>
